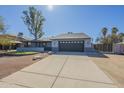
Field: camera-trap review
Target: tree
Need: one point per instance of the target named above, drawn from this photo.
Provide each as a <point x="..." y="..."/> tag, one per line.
<point x="5" y="42"/>
<point x="2" y="25"/>
<point x="121" y="37"/>
<point x="104" y="32"/>
<point x="114" y="30"/>
<point x="114" y="35"/>
<point x="34" y="21"/>
<point x="112" y="38"/>
<point x="97" y="40"/>
<point x="20" y="35"/>
<point x="103" y="38"/>
<point x="108" y="39"/>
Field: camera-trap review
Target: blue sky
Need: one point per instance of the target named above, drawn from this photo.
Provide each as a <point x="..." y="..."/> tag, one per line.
<point x="87" y="19"/>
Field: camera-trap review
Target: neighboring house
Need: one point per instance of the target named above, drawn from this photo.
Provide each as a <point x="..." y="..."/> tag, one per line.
<point x="13" y="37"/>
<point x="78" y="42"/>
<point x="15" y="40"/>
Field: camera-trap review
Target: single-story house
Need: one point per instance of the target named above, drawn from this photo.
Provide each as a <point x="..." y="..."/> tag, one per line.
<point x="71" y="42"/>
<point x="77" y="42"/>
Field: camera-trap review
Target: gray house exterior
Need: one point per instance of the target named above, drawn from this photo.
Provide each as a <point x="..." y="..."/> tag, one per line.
<point x="71" y="42"/>
<point x="78" y="42"/>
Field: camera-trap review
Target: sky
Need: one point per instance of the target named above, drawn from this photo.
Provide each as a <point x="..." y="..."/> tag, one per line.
<point x="63" y="19"/>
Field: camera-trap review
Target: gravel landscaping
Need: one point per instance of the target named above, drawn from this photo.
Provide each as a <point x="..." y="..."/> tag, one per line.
<point x="112" y="65"/>
<point x="11" y="64"/>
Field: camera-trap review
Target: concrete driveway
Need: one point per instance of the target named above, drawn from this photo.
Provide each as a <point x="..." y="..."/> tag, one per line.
<point x="69" y="70"/>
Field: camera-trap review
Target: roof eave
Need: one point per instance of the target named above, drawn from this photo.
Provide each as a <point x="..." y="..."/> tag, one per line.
<point x="68" y="38"/>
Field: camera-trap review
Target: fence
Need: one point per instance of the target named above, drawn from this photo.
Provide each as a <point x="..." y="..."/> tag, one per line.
<point x="104" y="47"/>
<point x="118" y="48"/>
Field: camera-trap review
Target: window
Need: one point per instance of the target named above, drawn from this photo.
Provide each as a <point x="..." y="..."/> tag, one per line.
<point x="78" y="41"/>
<point x="75" y="41"/>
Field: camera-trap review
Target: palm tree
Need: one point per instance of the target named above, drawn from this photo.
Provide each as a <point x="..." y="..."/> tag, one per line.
<point x="103" y="38"/>
<point x="104" y="32"/>
<point x="114" y="35"/>
<point x="109" y="40"/>
<point x="114" y="30"/>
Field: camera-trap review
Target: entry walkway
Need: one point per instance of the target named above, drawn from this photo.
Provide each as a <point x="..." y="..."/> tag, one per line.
<point x="69" y="70"/>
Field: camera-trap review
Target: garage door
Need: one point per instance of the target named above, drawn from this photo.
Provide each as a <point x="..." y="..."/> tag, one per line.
<point x="77" y="46"/>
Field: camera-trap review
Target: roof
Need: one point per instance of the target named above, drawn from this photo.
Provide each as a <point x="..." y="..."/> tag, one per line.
<point x="39" y="40"/>
<point x="68" y="35"/>
<point x="71" y="35"/>
<point x="45" y="39"/>
<point x="13" y="37"/>
<point x="15" y="42"/>
<point x="7" y="36"/>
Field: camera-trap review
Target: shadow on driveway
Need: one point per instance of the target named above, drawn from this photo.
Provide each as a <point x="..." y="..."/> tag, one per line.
<point x="97" y="55"/>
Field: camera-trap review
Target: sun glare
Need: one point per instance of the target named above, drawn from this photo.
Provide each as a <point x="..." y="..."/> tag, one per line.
<point x="50" y="7"/>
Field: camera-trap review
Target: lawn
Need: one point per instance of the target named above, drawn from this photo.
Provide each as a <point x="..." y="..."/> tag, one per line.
<point x="22" y="53"/>
<point x="16" y="53"/>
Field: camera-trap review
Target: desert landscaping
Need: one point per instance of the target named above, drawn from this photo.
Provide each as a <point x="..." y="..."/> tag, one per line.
<point x="12" y="64"/>
<point x="113" y="66"/>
